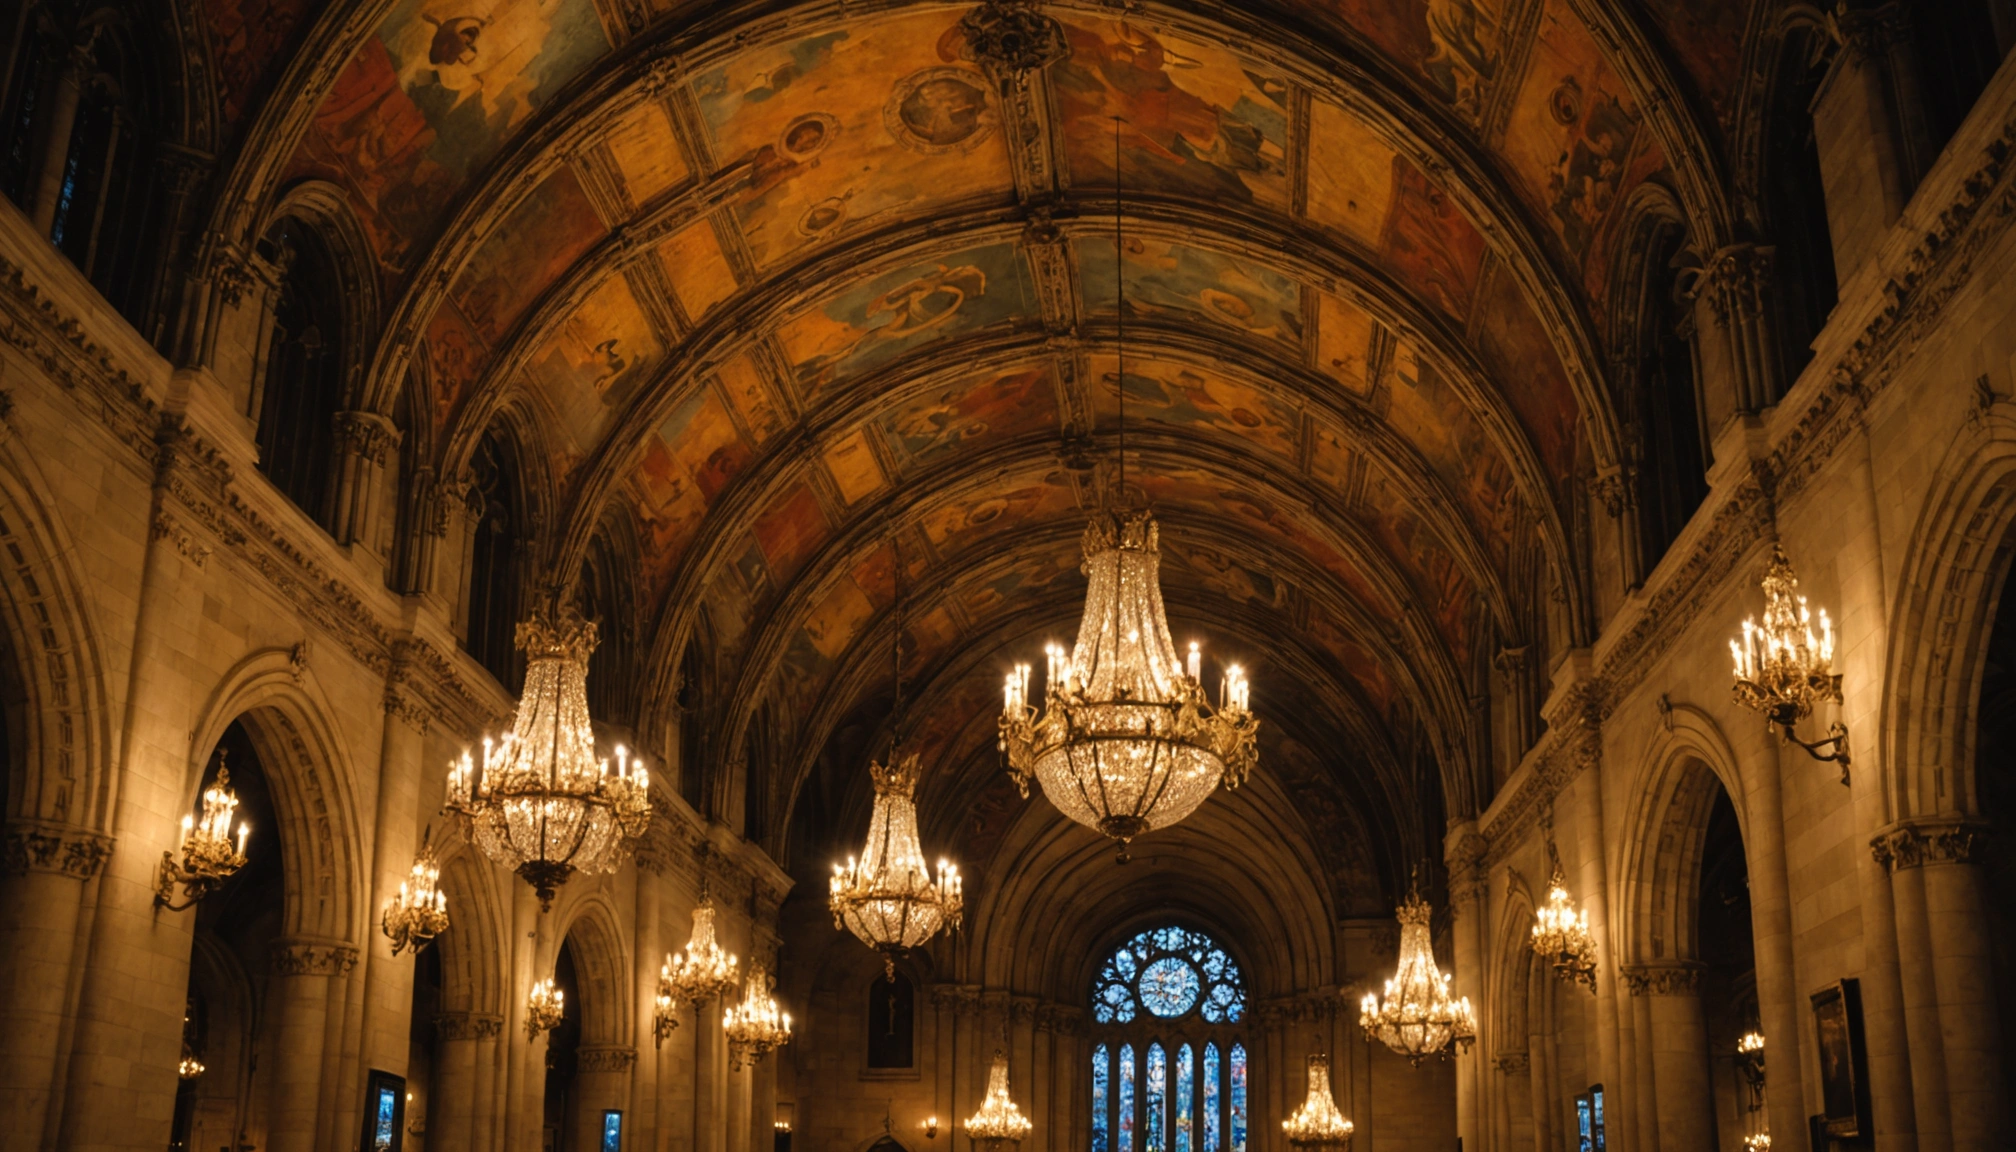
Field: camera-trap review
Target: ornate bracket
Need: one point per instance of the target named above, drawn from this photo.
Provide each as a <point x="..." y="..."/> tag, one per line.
<point x="1836" y="743"/>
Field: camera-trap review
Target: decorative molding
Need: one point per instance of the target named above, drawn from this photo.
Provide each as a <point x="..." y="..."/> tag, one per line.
<point x="1917" y="843"/>
<point x="1677" y="979"/>
<point x="605" y="1059"/>
<point x="166" y="528"/>
<point x="313" y="959"/>
<point x="1513" y="1063"/>
<point x="468" y="1026"/>
<point x="62" y="851"/>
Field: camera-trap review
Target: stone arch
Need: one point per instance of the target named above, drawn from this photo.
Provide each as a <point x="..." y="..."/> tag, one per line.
<point x="474" y="949"/>
<point x="1668" y="823"/>
<point x="1956" y="564"/>
<point x="594" y="931"/>
<point x="58" y="724"/>
<point x="326" y="209"/>
<point x="308" y="768"/>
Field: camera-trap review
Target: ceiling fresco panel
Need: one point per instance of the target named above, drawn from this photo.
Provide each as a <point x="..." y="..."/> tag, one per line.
<point x="852" y="465"/>
<point x="1707" y="35"/>
<point x="695" y="453"/>
<point x="248" y="43"/>
<point x="992" y="597"/>
<point x="701" y="275"/>
<point x="1180" y="282"/>
<point x="1185" y="397"/>
<point x="1514" y="346"/>
<point x="1195" y="120"/>
<point x="1452" y="47"/>
<point x="454" y="356"/>
<point x="1350" y="173"/>
<point x="998" y="406"/>
<point x="1572" y="130"/>
<point x="533" y="247"/>
<point x="879" y="320"/>
<point x="1344" y="339"/>
<point x="587" y="370"/>
<point x="790" y="530"/>
<point x="847" y="128"/>
<point x="1423" y="408"/>
<point x="647" y="153"/>
<point x="1440" y="587"/>
<point x="956" y="525"/>
<point x="754" y="405"/>
<point x="1430" y="243"/>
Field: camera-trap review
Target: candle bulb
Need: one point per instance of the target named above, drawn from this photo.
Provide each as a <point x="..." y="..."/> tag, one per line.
<point x="1196" y="668"/>
<point x="243" y="830"/>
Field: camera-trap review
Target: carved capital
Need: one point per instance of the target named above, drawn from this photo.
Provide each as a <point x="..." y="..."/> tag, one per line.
<point x="468" y="1026"/>
<point x="1512" y="1063"/>
<point x="1612" y="489"/>
<point x="1916" y="843"/>
<point x="1511" y="662"/>
<point x="606" y="1059"/>
<point x="309" y="958"/>
<point x="1738" y="282"/>
<point x="366" y="434"/>
<point x="166" y="527"/>
<point x="1682" y="979"/>
<point x="62" y="851"/>
<point x="1869" y="35"/>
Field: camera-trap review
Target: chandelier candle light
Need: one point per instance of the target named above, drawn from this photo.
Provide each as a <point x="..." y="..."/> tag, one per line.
<point x="1561" y="930"/>
<point x="887" y="896"/>
<point x="701" y="970"/>
<point x="1419" y="1018"/>
<point x="1783" y="669"/>
<point x="757" y="1024"/>
<point x="544" y="1008"/>
<point x="543" y="805"/>
<point x="207" y="855"/>
<point x="999" y="1122"/>
<point x="420" y="911"/>
<point x="1318" y="1124"/>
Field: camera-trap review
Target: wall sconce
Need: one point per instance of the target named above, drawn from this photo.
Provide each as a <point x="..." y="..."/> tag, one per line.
<point x="420" y="910"/>
<point x="930" y="1127"/>
<point x="544" y="1008"/>
<point x="208" y="858"/>
<point x="787" y="1113"/>
<point x="1782" y="669"/>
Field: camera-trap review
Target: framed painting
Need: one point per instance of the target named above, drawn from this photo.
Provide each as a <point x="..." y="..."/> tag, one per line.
<point x="1844" y="1087"/>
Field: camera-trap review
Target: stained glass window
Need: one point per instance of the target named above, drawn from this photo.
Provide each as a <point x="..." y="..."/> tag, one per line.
<point x="1210" y="1098"/>
<point x="1170" y="972"/>
<point x="1123" y="1124"/>
<point x="1237" y="1093"/>
<point x="1179" y="1129"/>
<point x="1099" y="1081"/>
<point x="1155" y="1117"/>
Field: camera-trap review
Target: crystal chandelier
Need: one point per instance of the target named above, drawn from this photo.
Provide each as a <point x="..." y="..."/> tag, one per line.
<point x="1419" y="1018"/>
<point x="544" y="1008"/>
<point x="999" y="1121"/>
<point x="1782" y="669"/>
<point x="756" y="1025"/>
<point x="207" y="855"/>
<point x="420" y="911"/>
<point x="701" y="970"/>
<point x="1318" y="1124"/>
<point x="887" y="896"/>
<point x="1127" y="742"/>
<point x="1561" y="930"/>
<point x="190" y="1067"/>
<point x="543" y="805"/>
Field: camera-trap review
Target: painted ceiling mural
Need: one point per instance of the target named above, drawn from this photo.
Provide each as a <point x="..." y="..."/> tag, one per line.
<point x="804" y="289"/>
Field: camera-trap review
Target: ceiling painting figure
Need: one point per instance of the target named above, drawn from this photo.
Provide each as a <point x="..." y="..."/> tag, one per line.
<point x="1173" y="281"/>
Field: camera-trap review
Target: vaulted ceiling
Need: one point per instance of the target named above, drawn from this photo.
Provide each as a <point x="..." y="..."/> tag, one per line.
<point x="782" y="290"/>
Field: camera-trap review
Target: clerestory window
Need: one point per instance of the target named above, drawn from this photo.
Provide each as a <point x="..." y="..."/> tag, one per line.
<point x="1169" y="1058"/>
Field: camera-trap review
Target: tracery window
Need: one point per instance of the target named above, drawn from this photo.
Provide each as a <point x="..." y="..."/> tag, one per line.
<point x="1169" y="1061"/>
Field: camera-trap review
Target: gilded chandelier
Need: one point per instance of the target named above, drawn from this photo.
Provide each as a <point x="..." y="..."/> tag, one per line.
<point x="886" y="896"/>
<point x="207" y="855"/>
<point x="543" y="805"/>
<point x="756" y="1025"/>
<point x="1561" y="930"/>
<point x="1318" y="1124"/>
<point x="544" y="1008"/>
<point x="420" y="911"/>
<point x="999" y="1121"/>
<point x="1127" y="742"/>
<point x="701" y="970"/>
<point x="1419" y="1018"/>
<point x="1782" y="669"/>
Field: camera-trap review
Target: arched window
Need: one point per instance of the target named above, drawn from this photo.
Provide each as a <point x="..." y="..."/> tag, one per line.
<point x="301" y="390"/>
<point x="1795" y="202"/>
<point x="892" y="1022"/>
<point x="84" y="125"/>
<point x="692" y="725"/>
<point x="496" y="584"/>
<point x="1666" y="409"/>
<point x="1957" y="53"/>
<point x="1169" y="1064"/>
<point x="604" y="597"/>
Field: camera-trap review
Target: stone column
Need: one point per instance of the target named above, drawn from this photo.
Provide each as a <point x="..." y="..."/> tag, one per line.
<point x="710" y="1080"/>
<point x="1677" y="1050"/>
<point x="1464" y="852"/>
<point x="1737" y="284"/>
<point x="298" y="994"/>
<point x="44" y="870"/>
<point x="364" y="442"/>
<point x="1637" y="1049"/>
<point x="601" y="1083"/>
<point x="1522" y="711"/>
<point x="1859" y="127"/>
<point x="735" y="1118"/>
<point x="465" y="1043"/>
<point x="1592" y="877"/>
<point x="1780" y="1006"/>
<point x="388" y="979"/>
<point x="1945" y="856"/>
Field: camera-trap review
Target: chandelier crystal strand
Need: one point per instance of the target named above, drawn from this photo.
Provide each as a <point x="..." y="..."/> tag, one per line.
<point x="207" y="857"/>
<point x="702" y="970"/>
<point x="1561" y="930"/>
<point x="1783" y="668"/>
<point x="420" y="911"/>
<point x="998" y="1121"/>
<point x="543" y="805"/>
<point x="887" y="896"/>
<point x="1419" y="1017"/>
<point x="756" y="1025"/>
<point x="1127" y="742"/>
<point x="544" y="1008"/>
<point x="1318" y="1123"/>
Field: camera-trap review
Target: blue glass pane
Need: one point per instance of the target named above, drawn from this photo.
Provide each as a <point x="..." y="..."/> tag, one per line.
<point x="1210" y="1098"/>
<point x="1179" y="1130"/>
<point x="612" y="1132"/>
<point x="1169" y="987"/>
<point x="1123" y="1123"/>
<point x="1584" y="1141"/>
<point x="1596" y="1108"/>
<point x="383" y="1123"/>
<point x="1099" y="1074"/>
<point x="1237" y="1101"/>
<point x="1154" y="1121"/>
<point x="1115" y="1004"/>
